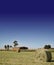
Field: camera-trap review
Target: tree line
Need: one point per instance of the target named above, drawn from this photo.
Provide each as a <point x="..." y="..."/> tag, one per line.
<point x="16" y="43"/>
<point x="9" y="46"/>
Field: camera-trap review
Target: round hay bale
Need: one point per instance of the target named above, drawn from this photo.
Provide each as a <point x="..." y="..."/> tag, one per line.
<point x="43" y="55"/>
<point x="18" y="50"/>
<point x="49" y="56"/>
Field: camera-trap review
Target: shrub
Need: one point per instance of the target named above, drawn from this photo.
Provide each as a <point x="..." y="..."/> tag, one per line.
<point x="23" y="47"/>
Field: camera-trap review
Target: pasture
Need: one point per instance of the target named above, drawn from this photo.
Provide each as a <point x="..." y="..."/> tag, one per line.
<point x="22" y="58"/>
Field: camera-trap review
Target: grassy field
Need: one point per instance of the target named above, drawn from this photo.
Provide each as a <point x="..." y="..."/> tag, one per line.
<point x="22" y="58"/>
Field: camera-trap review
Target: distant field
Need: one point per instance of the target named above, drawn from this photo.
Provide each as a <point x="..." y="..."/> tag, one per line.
<point x="22" y="58"/>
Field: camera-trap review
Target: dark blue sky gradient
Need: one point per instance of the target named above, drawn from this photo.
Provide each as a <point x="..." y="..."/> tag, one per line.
<point x="31" y="23"/>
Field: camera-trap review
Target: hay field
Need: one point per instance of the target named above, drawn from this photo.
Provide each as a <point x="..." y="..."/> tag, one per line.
<point x="22" y="58"/>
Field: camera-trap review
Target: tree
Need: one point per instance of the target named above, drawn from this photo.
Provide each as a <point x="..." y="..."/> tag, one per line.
<point x="15" y="43"/>
<point x="5" y="47"/>
<point x="47" y="46"/>
<point x="8" y="47"/>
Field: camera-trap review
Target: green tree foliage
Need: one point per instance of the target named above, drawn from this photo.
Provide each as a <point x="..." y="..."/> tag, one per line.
<point x="10" y="46"/>
<point x="15" y="43"/>
<point x="6" y="47"/>
<point x="47" y="46"/>
<point x="23" y="47"/>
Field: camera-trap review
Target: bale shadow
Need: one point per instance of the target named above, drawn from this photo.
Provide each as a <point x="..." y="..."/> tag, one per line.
<point x="52" y="60"/>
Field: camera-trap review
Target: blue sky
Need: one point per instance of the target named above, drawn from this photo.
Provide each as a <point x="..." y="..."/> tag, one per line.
<point x="30" y="23"/>
<point x="33" y="31"/>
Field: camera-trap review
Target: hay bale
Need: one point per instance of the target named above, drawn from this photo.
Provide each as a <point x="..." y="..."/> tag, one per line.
<point x="49" y="56"/>
<point x="43" y="55"/>
<point x="18" y="50"/>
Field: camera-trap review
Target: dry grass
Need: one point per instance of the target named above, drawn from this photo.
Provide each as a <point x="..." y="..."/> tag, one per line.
<point x="22" y="58"/>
